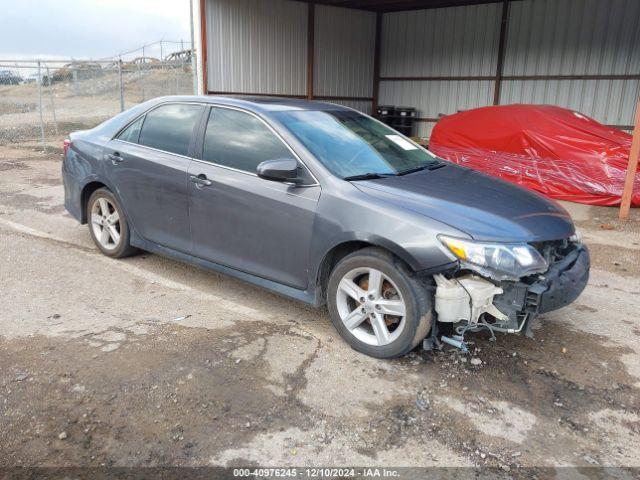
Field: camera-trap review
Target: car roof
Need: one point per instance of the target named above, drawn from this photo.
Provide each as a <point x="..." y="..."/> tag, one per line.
<point x="260" y="105"/>
<point x="257" y="104"/>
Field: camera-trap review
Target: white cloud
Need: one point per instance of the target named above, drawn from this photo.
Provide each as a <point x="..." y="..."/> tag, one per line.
<point x="89" y="28"/>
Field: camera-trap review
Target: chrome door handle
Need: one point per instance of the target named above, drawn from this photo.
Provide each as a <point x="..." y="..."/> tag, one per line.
<point x="201" y="180"/>
<point x="115" y="158"/>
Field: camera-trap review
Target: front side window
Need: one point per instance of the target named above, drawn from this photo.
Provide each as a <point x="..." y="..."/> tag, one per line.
<point x="239" y="140"/>
<point x="170" y="127"/>
<point x="350" y="144"/>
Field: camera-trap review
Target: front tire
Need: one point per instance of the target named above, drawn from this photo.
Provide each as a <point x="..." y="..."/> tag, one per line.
<point x="108" y="225"/>
<point x="377" y="304"/>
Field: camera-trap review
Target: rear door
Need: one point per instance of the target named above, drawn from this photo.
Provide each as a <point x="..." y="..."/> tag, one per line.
<point x="239" y="220"/>
<point x="148" y="164"/>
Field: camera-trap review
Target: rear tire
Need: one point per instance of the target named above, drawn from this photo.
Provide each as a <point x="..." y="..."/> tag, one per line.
<point x="396" y="314"/>
<point x="108" y="225"/>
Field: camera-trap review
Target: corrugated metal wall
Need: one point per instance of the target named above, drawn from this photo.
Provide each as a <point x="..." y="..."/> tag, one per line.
<point x="544" y="37"/>
<point x="438" y="43"/>
<point x="612" y="102"/>
<point x="575" y="37"/>
<point x="257" y="46"/>
<point x="436" y="97"/>
<point x="260" y="46"/>
<point x="344" y="40"/>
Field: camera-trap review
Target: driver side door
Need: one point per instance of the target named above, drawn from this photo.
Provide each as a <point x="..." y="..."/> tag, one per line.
<point x="239" y="220"/>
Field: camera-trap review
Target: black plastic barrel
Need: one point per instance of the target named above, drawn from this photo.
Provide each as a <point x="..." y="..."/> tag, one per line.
<point x="405" y="118"/>
<point x="386" y="114"/>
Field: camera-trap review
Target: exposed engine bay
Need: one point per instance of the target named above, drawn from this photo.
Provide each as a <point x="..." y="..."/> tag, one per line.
<point x="472" y="302"/>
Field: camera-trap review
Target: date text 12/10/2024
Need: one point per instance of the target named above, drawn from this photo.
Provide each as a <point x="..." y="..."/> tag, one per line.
<point x="316" y="472"/>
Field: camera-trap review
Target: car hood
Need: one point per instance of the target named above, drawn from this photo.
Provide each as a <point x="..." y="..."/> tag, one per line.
<point x="483" y="207"/>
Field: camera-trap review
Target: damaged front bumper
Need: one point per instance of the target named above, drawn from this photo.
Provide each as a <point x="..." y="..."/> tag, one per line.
<point x="559" y="286"/>
<point x="511" y="306"/>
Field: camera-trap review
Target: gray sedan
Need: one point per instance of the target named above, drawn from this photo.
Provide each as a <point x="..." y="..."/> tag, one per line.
<point x="328" y="206"/>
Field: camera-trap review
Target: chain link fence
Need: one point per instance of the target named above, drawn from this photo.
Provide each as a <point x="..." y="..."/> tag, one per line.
<point x="42" y="101"/>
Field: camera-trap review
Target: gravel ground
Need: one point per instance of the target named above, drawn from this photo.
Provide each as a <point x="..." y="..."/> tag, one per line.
<point x="148" y="362"/>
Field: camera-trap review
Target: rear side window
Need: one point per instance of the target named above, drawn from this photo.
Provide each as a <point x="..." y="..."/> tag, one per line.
<point x="239" y="140"/>
<point x="132" y="132"/>
<point x="170" y="127"/>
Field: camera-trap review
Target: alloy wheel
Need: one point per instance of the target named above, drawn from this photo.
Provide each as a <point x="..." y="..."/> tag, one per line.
<point x="371" y="306"/>
<point x="105" y="222"/>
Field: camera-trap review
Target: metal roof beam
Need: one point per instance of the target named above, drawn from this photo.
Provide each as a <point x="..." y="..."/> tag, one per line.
<point x="400" y="5"/>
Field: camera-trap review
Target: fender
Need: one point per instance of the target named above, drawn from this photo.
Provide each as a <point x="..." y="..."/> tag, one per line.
<point x="320" y="253"/>
<point x="101" y="178"/>
<point x="377" y="241"/>
<point x="318" y="260"/>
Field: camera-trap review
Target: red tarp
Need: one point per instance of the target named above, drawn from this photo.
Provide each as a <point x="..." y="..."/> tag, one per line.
<point x="557" y="152"/>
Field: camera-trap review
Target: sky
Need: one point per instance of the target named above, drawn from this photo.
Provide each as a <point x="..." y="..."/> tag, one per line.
<point x="89" y="28"/>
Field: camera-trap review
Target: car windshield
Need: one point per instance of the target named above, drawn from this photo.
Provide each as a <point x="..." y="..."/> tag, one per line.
<point x="352" y="145"/>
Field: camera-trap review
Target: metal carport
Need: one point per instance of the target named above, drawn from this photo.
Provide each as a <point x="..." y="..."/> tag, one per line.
<point x="439" y="56"/>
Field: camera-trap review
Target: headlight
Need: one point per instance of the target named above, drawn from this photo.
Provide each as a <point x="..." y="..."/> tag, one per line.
<point x="500" y="261"/>
<point x="576" y="237"/>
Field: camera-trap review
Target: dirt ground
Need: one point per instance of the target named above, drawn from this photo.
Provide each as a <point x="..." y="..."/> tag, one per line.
<point x="148" y="362"/>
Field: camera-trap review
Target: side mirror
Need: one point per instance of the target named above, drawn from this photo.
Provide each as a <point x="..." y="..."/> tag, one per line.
<point x="281" y="170"/>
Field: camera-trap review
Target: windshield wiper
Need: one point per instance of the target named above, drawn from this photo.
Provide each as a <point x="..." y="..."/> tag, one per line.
<point x="412" y="170"/>
<point x="369" y="176"/>
<point x="431" y="166"/>
<point x="373" y="175"/>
